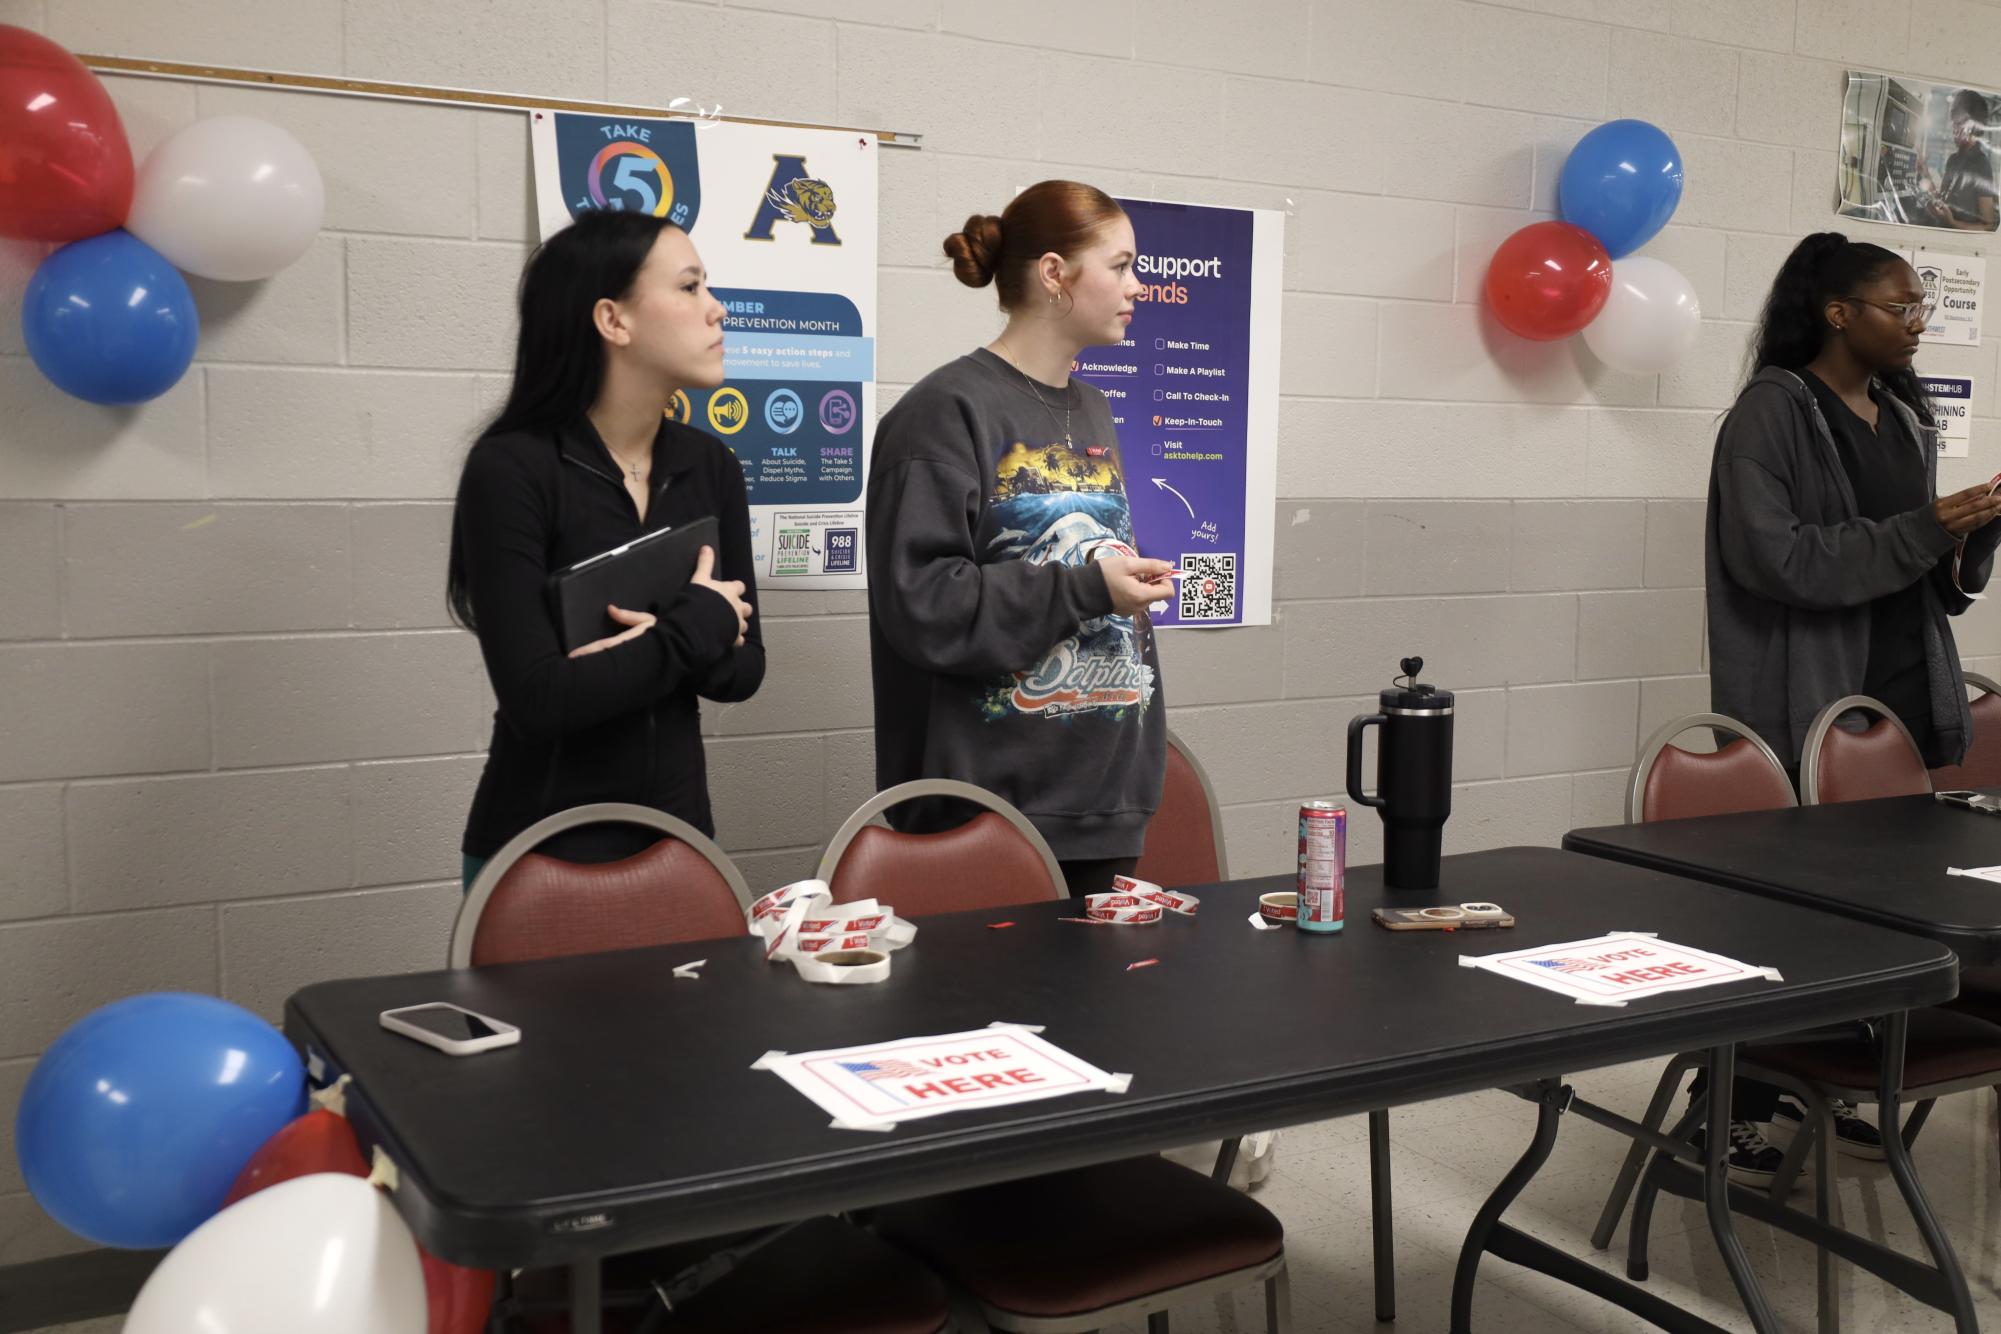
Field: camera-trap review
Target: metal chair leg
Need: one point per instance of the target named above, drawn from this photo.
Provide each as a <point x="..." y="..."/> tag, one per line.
<point x="586" y="1297"/>
<point x="1226" y="1161"/>
<point x="1820" y="1125"/>
<point x="1636" y="1154"/>
<point x="1641" y="1227"/>
<point x="1278" y="1304"/>
<point x="1913" y="1123"/>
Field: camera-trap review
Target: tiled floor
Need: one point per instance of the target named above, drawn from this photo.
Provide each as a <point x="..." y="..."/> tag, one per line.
<point x="1449" y="1155"/>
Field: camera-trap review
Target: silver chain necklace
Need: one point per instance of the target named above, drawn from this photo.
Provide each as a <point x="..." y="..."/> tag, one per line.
<point x="1036" y="393"/>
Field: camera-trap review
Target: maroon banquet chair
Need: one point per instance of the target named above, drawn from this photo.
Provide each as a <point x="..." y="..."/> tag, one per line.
<point x="1071" y="1251"/>
<point x="1981" y="765"/>
<point x="1669" y="783"/>
<point x="823" y="1276"/>
<point x="1880" y="760"/>
<point x="1184" y="840"/>
<point x="994" y="859"/>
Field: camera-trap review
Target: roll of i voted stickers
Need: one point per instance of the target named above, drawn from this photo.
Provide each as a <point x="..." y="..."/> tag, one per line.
<point x="1121" y="910"/>
<point x="1279" y="907"/>
<point x="839" y="943"/>
<point x="1170" y="899"/>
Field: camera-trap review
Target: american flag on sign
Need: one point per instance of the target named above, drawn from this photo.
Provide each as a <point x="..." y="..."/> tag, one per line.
<point x="1564" y="964"/>
<point x="887" y="1069"/>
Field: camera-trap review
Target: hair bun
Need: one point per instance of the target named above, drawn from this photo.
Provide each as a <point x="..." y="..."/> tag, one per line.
<point x="975" y="250"/>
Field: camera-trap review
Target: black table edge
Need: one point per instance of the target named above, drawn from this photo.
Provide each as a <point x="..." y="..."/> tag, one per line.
<point x="561" y="1230"/>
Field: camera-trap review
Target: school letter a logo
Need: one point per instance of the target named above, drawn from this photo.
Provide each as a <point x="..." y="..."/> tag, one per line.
<point x="793" y="195"/>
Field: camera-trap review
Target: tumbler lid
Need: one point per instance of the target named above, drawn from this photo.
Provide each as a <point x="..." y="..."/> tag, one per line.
<point x="1410" y="695"/>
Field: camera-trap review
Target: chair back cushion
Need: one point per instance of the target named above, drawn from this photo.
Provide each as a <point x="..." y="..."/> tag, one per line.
<point x="1684" y="784"/>
<point x="983" y="863"/>
<point x="1181" y="837"/>
<point x="1981" y="766"/>
<point x="544" y="908"/>
<point x="1875" y="762"/>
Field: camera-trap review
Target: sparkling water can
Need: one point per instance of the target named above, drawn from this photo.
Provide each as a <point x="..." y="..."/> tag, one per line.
<point x="1323" y="865"/>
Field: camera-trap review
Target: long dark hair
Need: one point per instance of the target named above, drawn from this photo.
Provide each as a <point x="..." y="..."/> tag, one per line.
<point x="559" y="358"/>
<point x="1824" y="266"/>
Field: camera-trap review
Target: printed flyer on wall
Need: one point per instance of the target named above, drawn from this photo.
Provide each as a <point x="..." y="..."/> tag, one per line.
<point x="1952" y="404"/>
<point x="1915" y="153"/>
<point x="1955" y="285"/>
<point x="1194" y="393"/>
<point x="785" y="220"/>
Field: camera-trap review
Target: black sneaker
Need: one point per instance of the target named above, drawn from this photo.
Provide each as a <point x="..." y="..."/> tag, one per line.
<point x="1853" y="1136"/>
<point x="1752" y="1161"/>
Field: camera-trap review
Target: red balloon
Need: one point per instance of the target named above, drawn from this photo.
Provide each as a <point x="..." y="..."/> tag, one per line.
<point x="316" y="1142"/>
<point x="65" y="168"/>
<point x="460" y="1299"/>
<point x="1548" y="280"/>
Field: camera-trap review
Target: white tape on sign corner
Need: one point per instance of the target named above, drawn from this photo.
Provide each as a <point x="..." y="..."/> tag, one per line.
<point x="1615" y="968"/>
<point x="857" y="1123"/>
<point x="768" y="1061"/>
<point x="1992" y="874"/>
<point x="1019" y="1028"/>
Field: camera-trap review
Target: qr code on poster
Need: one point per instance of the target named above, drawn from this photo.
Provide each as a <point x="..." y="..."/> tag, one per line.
<point x="1208" y="586"/>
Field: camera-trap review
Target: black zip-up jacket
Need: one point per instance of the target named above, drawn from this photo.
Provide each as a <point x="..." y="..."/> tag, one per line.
<point x="624" y="724"/>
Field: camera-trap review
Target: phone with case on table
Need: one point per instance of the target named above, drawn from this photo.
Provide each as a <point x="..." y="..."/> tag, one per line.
<point x="1445" y="917"/>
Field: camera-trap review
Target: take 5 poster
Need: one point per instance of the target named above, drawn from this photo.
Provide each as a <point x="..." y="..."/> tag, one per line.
<point x="785" y="221"/>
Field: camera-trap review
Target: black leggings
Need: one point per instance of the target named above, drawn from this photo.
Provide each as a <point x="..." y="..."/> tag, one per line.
<point x="1095" y="877"/>
<point x="1750" y="1099"/>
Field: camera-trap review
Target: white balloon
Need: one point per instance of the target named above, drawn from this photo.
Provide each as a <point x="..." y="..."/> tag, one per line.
<point x="321" y="1254"/>
<point x="231" y="197"/>
<point x="1649" y="321"/>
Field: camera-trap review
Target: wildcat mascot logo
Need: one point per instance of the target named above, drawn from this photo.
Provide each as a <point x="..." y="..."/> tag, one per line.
<point x="794" y="195"/>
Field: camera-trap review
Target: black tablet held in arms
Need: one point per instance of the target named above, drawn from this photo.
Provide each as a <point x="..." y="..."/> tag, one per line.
<point x="644" y="573"/>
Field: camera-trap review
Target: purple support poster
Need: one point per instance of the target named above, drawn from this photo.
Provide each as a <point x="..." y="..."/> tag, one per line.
<point x="1194" y="392"/>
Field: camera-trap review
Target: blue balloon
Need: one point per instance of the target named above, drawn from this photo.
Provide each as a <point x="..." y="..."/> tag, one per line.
<point x="110" y="320"/>
<point x="136" y="1122"/>
<point x="1621" y="183"/>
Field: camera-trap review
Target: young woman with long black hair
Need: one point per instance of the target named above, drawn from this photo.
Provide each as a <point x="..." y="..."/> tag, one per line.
<point x="1832" y="569"/>
<point x="616" y="317"/>
<point x="1008" y="633"/>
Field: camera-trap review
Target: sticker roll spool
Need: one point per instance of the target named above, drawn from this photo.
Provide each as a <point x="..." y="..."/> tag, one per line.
<point x="1121" y="910"/>
<point x="843" y="967"/>
<point x="1281" y="907"/>
<point x="1171" y="899"/>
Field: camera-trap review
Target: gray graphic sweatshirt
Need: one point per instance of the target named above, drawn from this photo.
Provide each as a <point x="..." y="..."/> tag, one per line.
<point x="995" y="657"/>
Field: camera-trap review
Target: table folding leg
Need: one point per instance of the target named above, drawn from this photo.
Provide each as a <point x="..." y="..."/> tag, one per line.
<point x="1488" y="1235"/>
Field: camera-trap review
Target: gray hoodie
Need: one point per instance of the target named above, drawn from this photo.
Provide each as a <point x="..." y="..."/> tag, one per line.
<point x="1792" y="570"/>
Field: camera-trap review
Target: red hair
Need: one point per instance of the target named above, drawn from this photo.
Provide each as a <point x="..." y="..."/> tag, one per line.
<point x="1062" y="217"/>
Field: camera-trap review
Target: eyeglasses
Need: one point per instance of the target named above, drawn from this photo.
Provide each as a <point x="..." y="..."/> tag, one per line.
<point x="1910" y="312"/>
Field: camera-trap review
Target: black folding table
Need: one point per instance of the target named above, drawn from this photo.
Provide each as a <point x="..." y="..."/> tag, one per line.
<point x="629" y="1115"/>
<point x="1879" y="861"/>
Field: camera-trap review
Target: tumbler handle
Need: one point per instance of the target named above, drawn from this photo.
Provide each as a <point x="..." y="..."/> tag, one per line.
<point x="1355" y="726"/>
